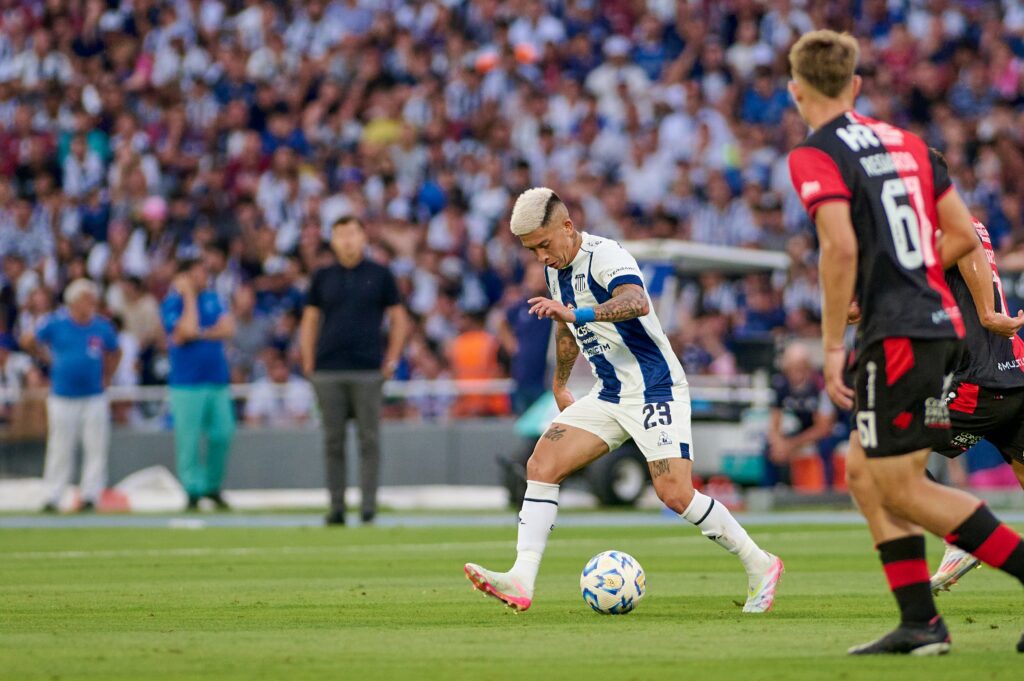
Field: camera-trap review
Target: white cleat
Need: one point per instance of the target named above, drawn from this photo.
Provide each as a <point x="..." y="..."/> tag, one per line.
<point x="955" y="564"/>
<point x="761" y="593"/>
<point x="500" y="585"/>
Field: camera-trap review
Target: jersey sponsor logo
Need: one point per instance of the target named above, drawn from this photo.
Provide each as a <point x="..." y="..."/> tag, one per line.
<point x="809" y="189"/>
<point x="966" y="440"/>
<point x="887" y="163"/>
<point x="579" y="283"/>
<point x="1017" y="363"/>
<point x="858" y="136"/>
<point x="936" y="410"/>
<point x="589" y="343"/>
<point x="94" y="346"/>
<point x="936" y="413"/>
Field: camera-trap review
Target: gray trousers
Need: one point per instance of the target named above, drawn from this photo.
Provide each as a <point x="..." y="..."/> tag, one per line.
<point x="344" y="395"/>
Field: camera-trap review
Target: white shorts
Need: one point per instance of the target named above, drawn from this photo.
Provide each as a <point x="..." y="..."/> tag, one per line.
<point x="661" y="430"/>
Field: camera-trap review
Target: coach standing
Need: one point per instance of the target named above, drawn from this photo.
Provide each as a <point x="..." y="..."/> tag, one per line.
<point x="343" y="354"/>
<point x="83" y="355"/>
<point x="197" y="326"/>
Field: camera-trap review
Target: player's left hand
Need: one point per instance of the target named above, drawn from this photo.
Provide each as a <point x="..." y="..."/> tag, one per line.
<point x="551" y="309"/>
<point x="840" y="393"/>
<point x="1003" y="325"/>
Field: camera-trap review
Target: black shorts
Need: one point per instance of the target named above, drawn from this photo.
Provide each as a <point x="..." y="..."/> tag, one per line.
<point x="900" y="384"/>
<point x="995" y="415"/>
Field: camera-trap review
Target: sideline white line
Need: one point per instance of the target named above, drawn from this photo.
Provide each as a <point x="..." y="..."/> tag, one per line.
<point x="688" y="538"/>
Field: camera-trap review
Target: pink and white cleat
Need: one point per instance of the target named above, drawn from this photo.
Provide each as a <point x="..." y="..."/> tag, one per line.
<point x="499" y="585"/>
<point x="761" y="594"/>
<point x="955" y="564"/>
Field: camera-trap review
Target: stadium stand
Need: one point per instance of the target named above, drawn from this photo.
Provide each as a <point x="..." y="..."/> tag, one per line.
<point x="132" y="130"/>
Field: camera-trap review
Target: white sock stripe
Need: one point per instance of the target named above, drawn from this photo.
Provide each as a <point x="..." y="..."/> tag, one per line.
<point x="541" y="491"/>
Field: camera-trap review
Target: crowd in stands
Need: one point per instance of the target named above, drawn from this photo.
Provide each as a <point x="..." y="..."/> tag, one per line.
<point x="133" y="130"/>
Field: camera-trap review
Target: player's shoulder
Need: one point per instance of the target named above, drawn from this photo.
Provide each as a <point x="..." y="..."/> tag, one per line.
<point x="601" y="246"/>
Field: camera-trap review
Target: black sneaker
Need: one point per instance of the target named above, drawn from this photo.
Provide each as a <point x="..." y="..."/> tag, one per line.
<point x="368" y="516"/>
<point x="335" y="518"/>
<point x="931" y="639"/>
<point x="218" y="501"/>
<point x="193" y="503"/>
<point x="87" y="507"/>
<point x="49" y="507"/>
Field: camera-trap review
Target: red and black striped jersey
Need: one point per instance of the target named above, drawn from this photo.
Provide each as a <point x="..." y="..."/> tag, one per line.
<point x="892" y="183"/>
<point x="991" y="360"/>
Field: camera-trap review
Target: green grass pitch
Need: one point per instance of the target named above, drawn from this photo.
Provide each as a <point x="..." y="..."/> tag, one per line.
<point x="392" y="603"/>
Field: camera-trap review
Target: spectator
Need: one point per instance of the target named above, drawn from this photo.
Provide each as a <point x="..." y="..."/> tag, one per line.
<point x="343" y="355"/>
<point x="525" y="338"/>
<point x="473" y="356"/>
<point x="198" y="328"/>
<point x="252" y="333"/>
<point x="83" y="354"/>
<point x="280" y="398"/>
<point x="725" y="221"/>
<point x="802" y="416"/>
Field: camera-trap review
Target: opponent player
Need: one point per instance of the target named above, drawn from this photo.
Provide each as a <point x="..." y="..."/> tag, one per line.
<point x="987" y="400"/>
<point x="878" y="197"/>
<point x="601" y="308"/>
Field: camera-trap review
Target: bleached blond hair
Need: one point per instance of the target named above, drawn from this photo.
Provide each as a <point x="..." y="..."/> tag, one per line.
<point x="79" y="288"/>
<point x="533" y="209"/>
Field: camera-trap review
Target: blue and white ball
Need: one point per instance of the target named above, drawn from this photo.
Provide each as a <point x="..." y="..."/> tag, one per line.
<point x="613" y="583"/>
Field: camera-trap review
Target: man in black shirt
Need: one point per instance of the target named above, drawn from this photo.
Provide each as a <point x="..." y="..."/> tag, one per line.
<point x="343" y="354"/>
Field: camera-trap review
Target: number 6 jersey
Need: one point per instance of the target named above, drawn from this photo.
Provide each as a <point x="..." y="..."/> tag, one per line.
<point x="892" y="183"/>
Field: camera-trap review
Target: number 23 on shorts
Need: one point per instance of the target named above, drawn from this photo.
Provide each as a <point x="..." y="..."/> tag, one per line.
<point x="657" y="414"/>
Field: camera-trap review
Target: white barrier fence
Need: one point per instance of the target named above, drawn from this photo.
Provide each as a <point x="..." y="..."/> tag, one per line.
<point x="737" y="391"/>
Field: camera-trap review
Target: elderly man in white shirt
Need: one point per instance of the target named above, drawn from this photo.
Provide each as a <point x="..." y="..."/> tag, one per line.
<point x="280" y="398"/>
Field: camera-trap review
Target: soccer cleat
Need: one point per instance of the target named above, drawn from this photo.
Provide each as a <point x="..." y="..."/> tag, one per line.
<point x="1020" y="644"/>
<point x="761" y="596"/>
<point x="955" y="564"/>
<point x="499" y="585"/>
<point x="931" y="639"/>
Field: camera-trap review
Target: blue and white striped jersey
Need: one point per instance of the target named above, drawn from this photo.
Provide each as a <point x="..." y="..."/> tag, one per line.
<point x="632" y="360"/>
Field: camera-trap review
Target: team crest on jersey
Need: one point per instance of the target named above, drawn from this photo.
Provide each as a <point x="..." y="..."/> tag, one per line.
<point x="664" y="440"/>
<point x="809" y="189"/>
<point x="579" y="283"/>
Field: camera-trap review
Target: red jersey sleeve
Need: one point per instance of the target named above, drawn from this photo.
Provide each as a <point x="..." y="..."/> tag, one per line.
<point x="816" y="178"/>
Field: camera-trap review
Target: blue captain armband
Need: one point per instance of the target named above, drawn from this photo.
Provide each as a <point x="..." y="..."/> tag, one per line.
<point x="585" y="315"/>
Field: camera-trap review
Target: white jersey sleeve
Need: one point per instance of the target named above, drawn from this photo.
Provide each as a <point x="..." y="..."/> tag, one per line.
<point x="613" y="266"/>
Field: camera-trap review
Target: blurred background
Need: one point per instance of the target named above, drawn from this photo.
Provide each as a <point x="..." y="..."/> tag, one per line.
<point x="134" y="131"/>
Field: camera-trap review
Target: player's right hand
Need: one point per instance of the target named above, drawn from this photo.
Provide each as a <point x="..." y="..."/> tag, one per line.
<point x="1004" y="325"/>
<point x="853" y="314"/>
<point x="563" y="398"/>
<point x="840" y="393"/>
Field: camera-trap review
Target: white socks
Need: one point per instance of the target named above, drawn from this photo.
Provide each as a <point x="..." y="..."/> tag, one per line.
<point x="716" y="523"/>
<point x="536" y="520"/>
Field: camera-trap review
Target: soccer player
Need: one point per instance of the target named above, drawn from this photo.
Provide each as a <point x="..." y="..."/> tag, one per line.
<point x="878" y="197"/>
<point x="600" y="307"/>
<point x="987" y="400"/>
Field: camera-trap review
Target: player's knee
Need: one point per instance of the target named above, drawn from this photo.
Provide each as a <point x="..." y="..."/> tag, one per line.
<point x="676" y="496"/>
<point x="543" y="468"/>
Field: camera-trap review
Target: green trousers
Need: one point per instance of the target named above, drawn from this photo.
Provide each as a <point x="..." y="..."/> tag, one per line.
<point x="199" y="409"/>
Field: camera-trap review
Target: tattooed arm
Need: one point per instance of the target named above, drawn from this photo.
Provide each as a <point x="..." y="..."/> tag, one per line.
<point x="566" y="352"/>
<point x="628" y="302"/>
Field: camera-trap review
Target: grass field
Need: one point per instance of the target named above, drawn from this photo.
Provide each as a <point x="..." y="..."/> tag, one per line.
<point x="390" y="603"/>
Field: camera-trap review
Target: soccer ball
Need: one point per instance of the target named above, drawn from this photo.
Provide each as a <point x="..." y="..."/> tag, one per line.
<point x="613" y="583"/>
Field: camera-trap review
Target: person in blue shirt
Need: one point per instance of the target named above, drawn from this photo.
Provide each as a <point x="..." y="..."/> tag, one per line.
<point x="197" y="325"/>
<point x="83" y="353"/>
